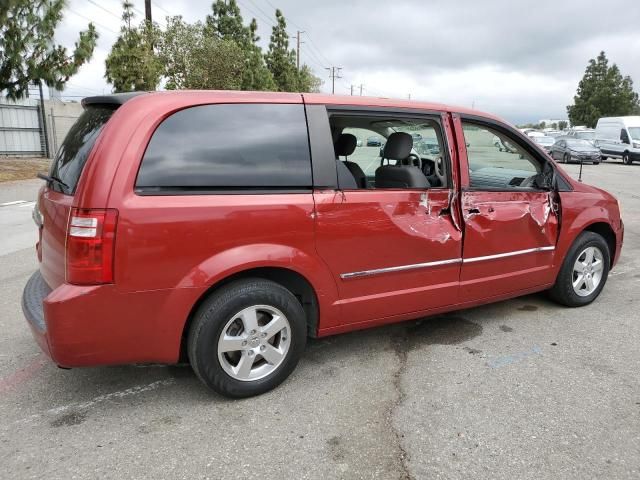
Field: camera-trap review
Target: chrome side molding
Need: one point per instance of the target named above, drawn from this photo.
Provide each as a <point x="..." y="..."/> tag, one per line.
<point x="509" y="254"/>
<point x="452" y="261"/>
<point x="400" y="268"/>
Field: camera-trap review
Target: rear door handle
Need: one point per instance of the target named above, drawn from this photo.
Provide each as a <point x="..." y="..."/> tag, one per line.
<point x="473" y="210"/>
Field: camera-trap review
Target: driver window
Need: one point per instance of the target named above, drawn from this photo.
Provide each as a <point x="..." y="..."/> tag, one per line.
<point x="496" y="161"/>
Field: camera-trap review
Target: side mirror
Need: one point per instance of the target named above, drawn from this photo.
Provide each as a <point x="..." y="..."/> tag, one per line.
<point x="545" y="180"/>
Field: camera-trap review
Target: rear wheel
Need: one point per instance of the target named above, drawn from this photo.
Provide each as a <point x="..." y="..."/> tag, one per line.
<point x="626" y="158"/>
<point x="247" y="338"/>
<point x="584" y="271"/>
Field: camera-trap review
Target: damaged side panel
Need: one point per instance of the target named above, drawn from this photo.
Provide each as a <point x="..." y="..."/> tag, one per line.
<point x="517" y="231"/>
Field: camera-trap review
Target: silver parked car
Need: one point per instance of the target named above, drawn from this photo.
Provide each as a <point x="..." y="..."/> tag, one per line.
<point x="568" y="150"/>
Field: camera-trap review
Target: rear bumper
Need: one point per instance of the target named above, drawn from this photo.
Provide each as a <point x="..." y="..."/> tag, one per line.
<point x="35" y="291"/>
<point x="80" y="326"/>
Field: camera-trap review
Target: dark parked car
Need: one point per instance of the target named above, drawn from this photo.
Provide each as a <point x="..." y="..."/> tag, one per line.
<point x="374" y="142"/>
<point x="568" y="150"/>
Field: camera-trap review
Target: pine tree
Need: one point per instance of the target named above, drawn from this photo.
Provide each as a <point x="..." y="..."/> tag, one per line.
<point x="226" y="23"/>
<point x="280" y="60"/>
<point x="132" y="64"/>
<point x="602" y="92"/>
<point x="27" y="51"/>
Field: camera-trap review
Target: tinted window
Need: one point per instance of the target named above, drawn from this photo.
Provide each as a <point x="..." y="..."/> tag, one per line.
<point x="77" y="145"/>
<point x="229" y="146"/>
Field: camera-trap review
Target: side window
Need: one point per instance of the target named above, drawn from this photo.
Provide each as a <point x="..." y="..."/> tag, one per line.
<point x="233" y="146"/>
<point x="415" y="145"/>
<point x="497" y="161"/>
<point x="369" y="145"/>
<point x="624" y="136"/>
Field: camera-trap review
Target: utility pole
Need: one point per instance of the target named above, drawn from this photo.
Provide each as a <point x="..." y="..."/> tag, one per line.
<point x="361" y="87"/>
<point x="334" y="72"/>
<point x="147" y="10"/>
<point x="352" y="90"/>
<point x="298" y="42"/>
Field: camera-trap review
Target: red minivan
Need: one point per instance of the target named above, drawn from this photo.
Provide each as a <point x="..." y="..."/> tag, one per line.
<point x="224" y="228"/>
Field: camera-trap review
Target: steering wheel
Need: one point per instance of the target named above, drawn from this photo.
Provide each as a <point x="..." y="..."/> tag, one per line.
<point x="412" y="160"/>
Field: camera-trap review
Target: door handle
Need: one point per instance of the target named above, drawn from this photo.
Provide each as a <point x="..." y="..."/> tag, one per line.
<point x="473" y="210"/>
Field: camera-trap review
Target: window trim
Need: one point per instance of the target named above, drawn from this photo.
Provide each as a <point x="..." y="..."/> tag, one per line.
<point x="562" y="184"/>
<point x="402" y="113"/>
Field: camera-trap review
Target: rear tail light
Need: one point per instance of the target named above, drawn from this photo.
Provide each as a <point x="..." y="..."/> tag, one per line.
<point x="91" y="237"/>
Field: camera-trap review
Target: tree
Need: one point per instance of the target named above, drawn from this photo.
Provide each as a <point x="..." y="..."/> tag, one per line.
<point x="562" y="125"/>
<point x="307" y="81"/>
<point x="196" y="60"/>
<point x="280" y="60"/>
<point x="542" y="125"/>
<point x="132" y="64"/>
<point x="225" y="23"/>
<point x="554" y="125"/>
<point x="602" y="92"/>
<point x="27" y="51"/>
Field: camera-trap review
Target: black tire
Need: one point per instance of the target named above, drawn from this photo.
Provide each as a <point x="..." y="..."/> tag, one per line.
<point x="626" y="158"/>
<point x="566" y="158"/>
<point x="563" y="292"/>
<point x="213" y="315"/>
<point x="603" y="158"/>
<point x="596" y="163"/>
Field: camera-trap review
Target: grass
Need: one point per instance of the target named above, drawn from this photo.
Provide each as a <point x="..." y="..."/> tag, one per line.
<point x="22" y="168"/>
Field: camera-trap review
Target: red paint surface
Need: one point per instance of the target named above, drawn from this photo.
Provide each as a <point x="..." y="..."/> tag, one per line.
<point x="170" y="250"/>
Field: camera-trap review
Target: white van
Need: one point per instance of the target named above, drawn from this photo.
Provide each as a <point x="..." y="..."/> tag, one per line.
<point x="619" y="137"/>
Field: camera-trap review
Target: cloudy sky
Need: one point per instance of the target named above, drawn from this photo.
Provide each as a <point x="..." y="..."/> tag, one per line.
<point x="521" y="60"/>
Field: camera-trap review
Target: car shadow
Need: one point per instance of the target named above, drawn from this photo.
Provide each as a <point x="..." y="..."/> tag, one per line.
<point x="95" y="385"/>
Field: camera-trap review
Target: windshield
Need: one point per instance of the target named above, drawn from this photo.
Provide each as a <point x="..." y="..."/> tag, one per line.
<point x="578" y="143"/>
<point x="75" y="150"/>
<point x="545" y="140"/>
<point x="586" y="135"/>
<point x="634" y="132"/>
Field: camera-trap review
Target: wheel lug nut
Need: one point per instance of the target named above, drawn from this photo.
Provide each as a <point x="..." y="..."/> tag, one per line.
<point x="262" y="347"/>
<point x="251" y="353"/>
<point x="264" y="334"/>
<point x="253" y="332"/>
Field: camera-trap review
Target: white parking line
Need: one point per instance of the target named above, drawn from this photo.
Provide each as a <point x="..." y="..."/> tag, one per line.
<point x="15" y="202"/>
<point x="27" y="204"/>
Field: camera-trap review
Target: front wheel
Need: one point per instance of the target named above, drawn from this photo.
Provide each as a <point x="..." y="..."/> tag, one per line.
<point x="626" y="158"/>
<point x="584" y="271"/>
<point x="247" y="338"/>
<point x="566" y="158"/>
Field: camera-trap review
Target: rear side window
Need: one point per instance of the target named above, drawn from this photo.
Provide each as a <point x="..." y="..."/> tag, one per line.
<point x="77" y="146"/>
<point x="239" y="146"/>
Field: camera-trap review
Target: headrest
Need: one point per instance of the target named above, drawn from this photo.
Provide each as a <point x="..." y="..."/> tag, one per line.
<point x="345" y="145"/>
<point x="398" y="146"/>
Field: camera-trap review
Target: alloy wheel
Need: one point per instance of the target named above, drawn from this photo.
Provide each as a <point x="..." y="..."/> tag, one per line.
<point x="587" y="271"/>
<point x="254" y="343"/>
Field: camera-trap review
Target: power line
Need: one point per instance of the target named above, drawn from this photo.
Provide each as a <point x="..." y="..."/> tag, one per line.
<point x="92" y="21"/>
<point x="104" y="9"/>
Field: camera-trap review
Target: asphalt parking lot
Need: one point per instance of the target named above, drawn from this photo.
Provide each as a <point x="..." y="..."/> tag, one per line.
<point x="515" y="390"/>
